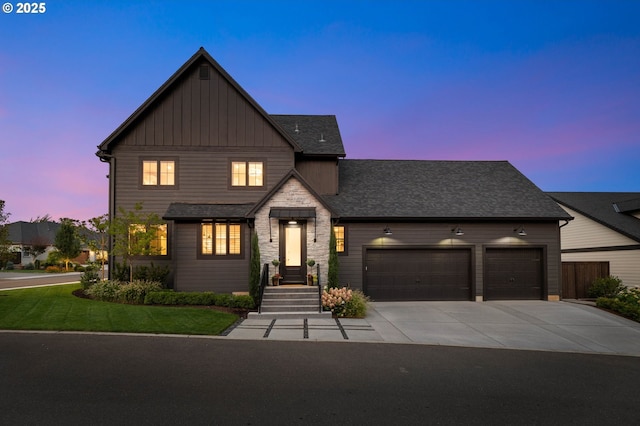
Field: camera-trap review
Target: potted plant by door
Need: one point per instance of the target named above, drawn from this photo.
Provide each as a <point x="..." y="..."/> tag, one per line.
<point x="275" y="279"/>
<point x="310" y="263"/>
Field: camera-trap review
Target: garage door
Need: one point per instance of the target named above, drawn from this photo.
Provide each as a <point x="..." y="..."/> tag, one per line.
<point x="418" y="274"/>
<point x="514" y="274"/>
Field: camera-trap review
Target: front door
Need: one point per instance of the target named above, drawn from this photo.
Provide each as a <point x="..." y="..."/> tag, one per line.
<point x="293" y="252"/>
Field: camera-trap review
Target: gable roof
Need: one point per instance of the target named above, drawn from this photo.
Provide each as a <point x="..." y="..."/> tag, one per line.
<point x="106" y="146"/>
<point x="316" y="134"/>
<point x="439" y="190"/>
<point x="29" y="232"/>
<point x="295" y="175"/>
<point x="601" y="207"/>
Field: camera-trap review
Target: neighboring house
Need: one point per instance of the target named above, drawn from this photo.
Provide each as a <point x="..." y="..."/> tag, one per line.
<point x="202" y="154"/>
<point x="606" y="230"/>
<point x="29" y="238"/>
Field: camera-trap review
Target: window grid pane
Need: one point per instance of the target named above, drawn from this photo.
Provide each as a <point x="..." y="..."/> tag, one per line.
<point x="221" y="239"/>
<point x="159" y="245"/>
<point x="167" y="174"/>
<point x="234" y="239"/>
<point x="338" y="231"/>
<point x="207" y="238"/>
<point x="255" y="174"/>
<point x="238" y="174"/>
<point x="149" y="172"/>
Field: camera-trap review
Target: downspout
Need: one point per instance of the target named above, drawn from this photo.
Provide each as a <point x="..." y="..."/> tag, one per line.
<point x="108" y="158"/>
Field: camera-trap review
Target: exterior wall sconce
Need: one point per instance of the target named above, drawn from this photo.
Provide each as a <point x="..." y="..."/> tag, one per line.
<point x="521" y="232"/>
<point x="457" y="231"/>
<point x="387" y="231"/>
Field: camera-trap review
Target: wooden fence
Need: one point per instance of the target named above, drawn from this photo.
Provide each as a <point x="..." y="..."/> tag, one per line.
<point x="577" y="277"/>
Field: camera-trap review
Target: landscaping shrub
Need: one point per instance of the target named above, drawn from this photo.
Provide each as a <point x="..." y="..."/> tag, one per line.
<point x="120" y="272"/>
<point x="116" y="291"/>
<point x="9" y="266"/>
<point x="89" y="278"/>
<point x="54" y="269"/>
<point x="152" y="273"/>
<point x="169" y="297"/>
<point x="344" y="302"/>
<point x="605" y="287"/>
<point x="626" y="303"/>
<point x="29" y="266"/>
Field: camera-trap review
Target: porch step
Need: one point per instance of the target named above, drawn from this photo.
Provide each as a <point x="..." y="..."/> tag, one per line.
<point x="287" y="301"/>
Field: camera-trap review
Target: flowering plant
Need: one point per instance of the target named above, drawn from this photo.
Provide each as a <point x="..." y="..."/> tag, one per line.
<point x="344" y="302"/>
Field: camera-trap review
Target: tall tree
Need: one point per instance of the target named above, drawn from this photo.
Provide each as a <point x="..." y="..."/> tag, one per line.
<point x="254" y="275"/>
<point x="67" y="241"/>
<point x="5" y="244"/>
<point x="134" y="232"/>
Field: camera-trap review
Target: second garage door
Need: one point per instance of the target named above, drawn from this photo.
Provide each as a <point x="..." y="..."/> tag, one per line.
<point x="513" y="274"/>
<point x="418" y="274"/>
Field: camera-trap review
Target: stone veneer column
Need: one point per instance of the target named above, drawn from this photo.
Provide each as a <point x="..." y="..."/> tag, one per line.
<point x="294" y="194"/>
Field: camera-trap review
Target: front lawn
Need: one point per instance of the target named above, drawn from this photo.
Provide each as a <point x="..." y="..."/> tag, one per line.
<point x="56" y="308"/>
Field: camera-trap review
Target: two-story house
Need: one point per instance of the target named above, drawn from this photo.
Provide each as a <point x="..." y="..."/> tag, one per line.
<point x="203" y="154"/>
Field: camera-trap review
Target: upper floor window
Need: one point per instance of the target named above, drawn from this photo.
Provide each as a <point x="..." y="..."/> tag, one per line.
<point x="158" y="172"/>
<point x="220" y="239"/>
<point x="340" y="235"/>
<point x="247" y="173"/>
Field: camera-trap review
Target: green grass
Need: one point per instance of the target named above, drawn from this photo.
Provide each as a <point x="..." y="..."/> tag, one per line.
<point x="56" y="308"/>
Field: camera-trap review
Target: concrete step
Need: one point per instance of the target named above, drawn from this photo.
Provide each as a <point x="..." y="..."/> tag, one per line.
<point x="291" y="300"/>
<point x="290" y="315"/>
<point x="289" y="308"/>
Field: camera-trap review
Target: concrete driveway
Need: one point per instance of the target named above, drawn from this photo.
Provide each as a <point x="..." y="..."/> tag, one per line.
<point x="528" y="325"/>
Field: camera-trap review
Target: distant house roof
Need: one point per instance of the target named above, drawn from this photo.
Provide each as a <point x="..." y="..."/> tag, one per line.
<point x="607" y="208"/>
<point x="439" y="190"/>
<point x="185" y="211"/>
<point x="31" y="232"/>
<point x="315" y="134"/>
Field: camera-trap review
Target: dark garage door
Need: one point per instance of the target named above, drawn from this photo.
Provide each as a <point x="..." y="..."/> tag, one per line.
<point x="418" y="274"/>
<point x="513" y="274"/>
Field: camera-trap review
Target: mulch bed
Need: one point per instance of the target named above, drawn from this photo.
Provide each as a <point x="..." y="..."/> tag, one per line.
<point x="242" y="313"/>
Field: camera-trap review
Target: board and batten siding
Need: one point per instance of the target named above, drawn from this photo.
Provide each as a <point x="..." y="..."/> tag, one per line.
<point x="202" y="113"/>
<point x="476" y="236"/>
<point x="322" y="175"/>
<point x="220" y="274"/>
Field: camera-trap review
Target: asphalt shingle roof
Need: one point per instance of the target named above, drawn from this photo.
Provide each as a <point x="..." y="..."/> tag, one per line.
<point x="29" y="232"/>
<point x="316" y="134"/>
<point x="599" y="206"/>
<point x="185" y="211"/>
<point x="430" y="190"/>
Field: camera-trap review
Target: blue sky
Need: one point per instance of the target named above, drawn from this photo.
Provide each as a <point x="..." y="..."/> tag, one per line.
<point x="551" y="86"/>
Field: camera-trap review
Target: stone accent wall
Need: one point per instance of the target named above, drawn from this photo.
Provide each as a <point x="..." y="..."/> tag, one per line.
<point x="294" y="194"/>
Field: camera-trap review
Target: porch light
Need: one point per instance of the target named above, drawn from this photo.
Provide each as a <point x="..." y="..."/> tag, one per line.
<point x="521" y="232"/>
<point x="457" y="231"/>
<point x="293" y="222"/>
<point x="387" y="231"/>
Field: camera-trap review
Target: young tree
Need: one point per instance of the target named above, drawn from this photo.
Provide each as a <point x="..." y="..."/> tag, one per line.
<point x="97" y="237"/>
<point x="134" y="233"/>
<point x="333" y="262"/>
<point x="5" y="244"/>
<point x="67" y="241"/>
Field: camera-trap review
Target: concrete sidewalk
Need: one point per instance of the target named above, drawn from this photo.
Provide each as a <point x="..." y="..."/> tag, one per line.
<point x="528" y="325"/>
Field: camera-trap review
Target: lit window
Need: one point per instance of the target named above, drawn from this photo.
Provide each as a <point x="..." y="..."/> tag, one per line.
<point x="144" y="242"/>
<point x="245" y="173"/>
<point x="149" y="172"/>
<point x="154" y="171"/>
<point x="238" y="174"/>
<point x="207" y="238"/>
<point x="221" y="239"/>
<point x="338" y="231"/>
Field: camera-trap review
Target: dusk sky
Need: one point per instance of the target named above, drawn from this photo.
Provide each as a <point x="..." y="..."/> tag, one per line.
<point x="551" y="86"/>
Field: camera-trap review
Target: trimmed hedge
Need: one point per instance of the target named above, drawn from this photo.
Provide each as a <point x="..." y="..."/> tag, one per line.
<point x="169" y="297"/>
<point x="627" y="310"/>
